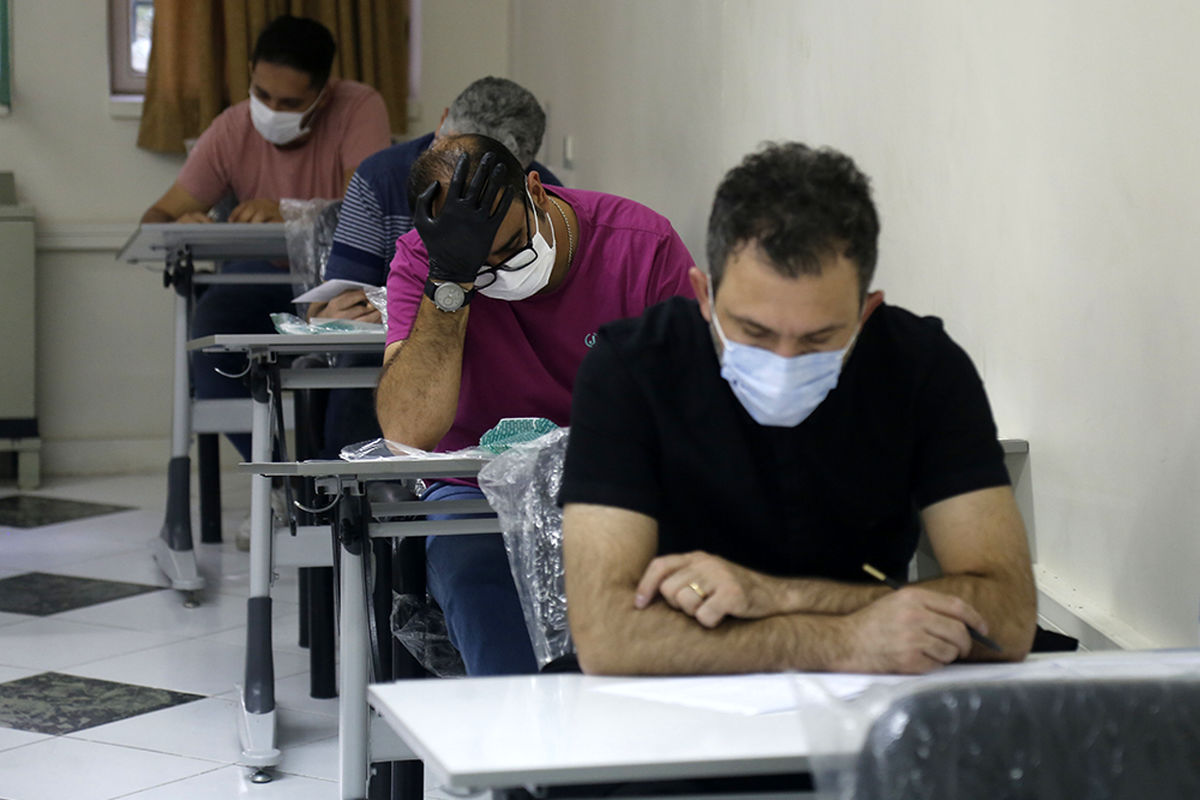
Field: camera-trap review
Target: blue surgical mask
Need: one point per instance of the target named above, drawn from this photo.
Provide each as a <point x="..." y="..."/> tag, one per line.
<point x="777" y="390"/>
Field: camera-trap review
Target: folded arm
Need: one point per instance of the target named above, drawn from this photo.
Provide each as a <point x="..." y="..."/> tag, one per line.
<point x="618" y="629"/>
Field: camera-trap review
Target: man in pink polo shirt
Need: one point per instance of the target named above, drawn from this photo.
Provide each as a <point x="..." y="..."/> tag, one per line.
<point x="493" y="301"/>
<point x="300" y="135"/>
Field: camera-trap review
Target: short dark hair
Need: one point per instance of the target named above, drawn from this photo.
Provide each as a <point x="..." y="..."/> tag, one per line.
<point x="297" y="42"/>
<point x="438" y="163"/>
<point x="798" y="205"/>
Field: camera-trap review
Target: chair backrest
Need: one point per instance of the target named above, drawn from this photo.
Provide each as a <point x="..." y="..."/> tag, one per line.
<point x="1109" y="739"/>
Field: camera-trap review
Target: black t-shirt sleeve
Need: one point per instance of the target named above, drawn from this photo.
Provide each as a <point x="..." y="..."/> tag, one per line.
<point x="956" y="446"/>
<point x="612" y="452"/>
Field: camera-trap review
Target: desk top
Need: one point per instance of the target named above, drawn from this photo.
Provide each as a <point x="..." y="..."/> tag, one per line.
<point x="289" y="342"/>
<point x="576" y="729"/>
<point x="154" y="241"/>
<point x="397" y="468"/>
<point x="557" y="729"/>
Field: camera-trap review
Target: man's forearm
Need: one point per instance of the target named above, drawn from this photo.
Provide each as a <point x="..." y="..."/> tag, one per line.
<point x="660" y="640"/>
<point x="156" y="214"/>
<point x="1008" y="601"/>
<point x="418" y="390"/>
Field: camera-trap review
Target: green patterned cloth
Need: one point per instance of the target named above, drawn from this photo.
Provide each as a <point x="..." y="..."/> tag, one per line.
<point x="515" y="430"/>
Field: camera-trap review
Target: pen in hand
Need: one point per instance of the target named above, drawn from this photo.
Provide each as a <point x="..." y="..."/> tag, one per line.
<point x="891" y="583"/>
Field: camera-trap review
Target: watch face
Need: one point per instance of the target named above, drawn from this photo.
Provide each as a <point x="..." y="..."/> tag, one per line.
<point x="449" y="296"/>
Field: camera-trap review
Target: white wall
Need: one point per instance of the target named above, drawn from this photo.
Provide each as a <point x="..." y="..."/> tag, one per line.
<point x="104" y="328"/>
<point x="1037" y="173"/>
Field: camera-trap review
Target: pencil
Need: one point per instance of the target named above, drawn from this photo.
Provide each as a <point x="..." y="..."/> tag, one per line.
<point x="892" y="583"/>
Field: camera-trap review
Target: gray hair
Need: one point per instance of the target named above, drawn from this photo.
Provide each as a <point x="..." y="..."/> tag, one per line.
<point x="502" y="110"/>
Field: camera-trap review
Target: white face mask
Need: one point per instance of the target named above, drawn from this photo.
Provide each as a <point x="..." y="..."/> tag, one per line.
<point x="774" y="389"/>
<point x="279" y="127"/>
<point x="516" y="282"/>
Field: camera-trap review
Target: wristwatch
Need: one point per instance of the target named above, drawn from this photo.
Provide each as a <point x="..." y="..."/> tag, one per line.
<point x="448" y="296"/>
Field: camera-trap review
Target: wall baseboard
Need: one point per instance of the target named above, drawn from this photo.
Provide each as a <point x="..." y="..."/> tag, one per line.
<point x="1061" y="608"/>
<point x="84" y="236"/>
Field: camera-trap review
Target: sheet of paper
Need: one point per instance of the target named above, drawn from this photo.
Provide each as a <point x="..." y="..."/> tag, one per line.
<point x="744" y="694"/>
<point x="329" y="290"/>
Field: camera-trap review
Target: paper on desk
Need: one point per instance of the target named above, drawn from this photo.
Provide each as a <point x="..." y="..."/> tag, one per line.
<point x="745" y="694"/>
<point x="329" y="290"/>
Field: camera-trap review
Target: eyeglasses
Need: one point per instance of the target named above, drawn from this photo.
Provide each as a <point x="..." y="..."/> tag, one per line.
<point x="518" y="260"/>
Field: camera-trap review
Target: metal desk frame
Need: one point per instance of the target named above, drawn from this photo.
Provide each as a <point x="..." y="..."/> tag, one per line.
<point x="363" y="737"/>
<point x="178" y="246"/>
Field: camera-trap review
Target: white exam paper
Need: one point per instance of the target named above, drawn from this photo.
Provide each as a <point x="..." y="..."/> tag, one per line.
<point x="763" y="693"/>
<point x="329" y="290"/>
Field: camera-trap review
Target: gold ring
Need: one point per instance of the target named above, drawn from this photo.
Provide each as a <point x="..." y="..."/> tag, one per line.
<point x="696" y="588"/>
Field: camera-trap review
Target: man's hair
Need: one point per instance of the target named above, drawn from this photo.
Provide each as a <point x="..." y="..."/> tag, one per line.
<point x="438" y="162"/>
<point x="297" y="42"/>
<point x="798" y="205"/>
<point x="502" y="110"/>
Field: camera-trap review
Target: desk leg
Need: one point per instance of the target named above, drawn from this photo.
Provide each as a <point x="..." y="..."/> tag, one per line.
<point x="353" y="650"/>
<point x="173" y="548"/>
<point x="257" y="718"/>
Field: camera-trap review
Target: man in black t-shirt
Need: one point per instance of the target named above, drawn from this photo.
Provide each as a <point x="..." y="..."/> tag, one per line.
<point x="735" y="460"/>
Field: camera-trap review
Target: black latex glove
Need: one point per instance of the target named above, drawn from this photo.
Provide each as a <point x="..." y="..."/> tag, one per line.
<point x="459" y="240"/>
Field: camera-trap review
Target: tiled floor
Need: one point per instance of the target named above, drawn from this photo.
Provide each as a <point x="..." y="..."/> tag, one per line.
<point x="109" y="687"/>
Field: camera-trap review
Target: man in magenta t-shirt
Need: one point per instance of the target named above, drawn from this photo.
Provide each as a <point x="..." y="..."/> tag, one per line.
<point x="300" y="135"/>
<point x="493" y="301"/>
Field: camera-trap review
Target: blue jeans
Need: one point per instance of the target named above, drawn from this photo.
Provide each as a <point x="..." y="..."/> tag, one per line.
<point x="234" y="308"/>
<point x="470" y="579"/>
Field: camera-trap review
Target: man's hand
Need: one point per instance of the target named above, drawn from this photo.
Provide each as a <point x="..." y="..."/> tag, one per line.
<point x="350" y="304"/>
<point x="258" y="210"/>
<point x="707" y="587"/>
<point x="459" y="240"/>
<point x="911" y="631"/>
<point x="194" y="216"/>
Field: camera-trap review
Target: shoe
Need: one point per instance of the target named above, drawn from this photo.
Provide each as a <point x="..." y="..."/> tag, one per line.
<point x="278" y="514"/>
<point x="243" y="535"/>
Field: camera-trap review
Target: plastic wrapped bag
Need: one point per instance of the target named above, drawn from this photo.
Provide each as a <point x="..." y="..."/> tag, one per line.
<point x="419" y="625"/>
<point x="308" y="226"/>
<point x="522" y="485"/>
<point x="291" y="324"/>
<point x="377" y="296"/>
<point x="385" y="449"/>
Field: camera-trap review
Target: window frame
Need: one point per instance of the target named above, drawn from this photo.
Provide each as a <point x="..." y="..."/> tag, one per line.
<point x="123" y="80"/>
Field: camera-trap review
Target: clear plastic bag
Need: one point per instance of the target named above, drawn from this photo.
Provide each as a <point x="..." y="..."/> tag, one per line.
<point x="308" y="226"/>
<point x="385" y="449"/>
<point x="419" y="625"/>
<point x="522" y="486"/>
<point x="291" y="324"/>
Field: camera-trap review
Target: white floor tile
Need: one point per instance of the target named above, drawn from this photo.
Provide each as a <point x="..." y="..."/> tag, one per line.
<point x="10" y="738"/>
<point x="204" y="729"/>
<point x="10" y="619"/>
<point x="53" y="546"/>
<point x="61" y="767"/>
<point x="234" y="782"/>
<point x="53" y="644"/>
<point x="293" y="692"/>
<point x="164" y="612"/>
<point x="129" y="567"/>
<point x="314" y="760"/>
<point x="285" y="630"/>
<point x="203" y="667"/>
<point x="15" y="673"/>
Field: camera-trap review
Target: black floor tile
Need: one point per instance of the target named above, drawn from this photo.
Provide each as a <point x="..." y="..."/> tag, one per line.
<point x="54" y="703"/>
<point x="41" y="594"/>
<point x="29" y="511"/>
